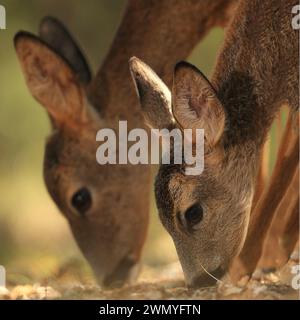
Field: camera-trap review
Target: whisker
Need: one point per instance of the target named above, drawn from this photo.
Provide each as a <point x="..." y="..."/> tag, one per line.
<point x="211" y="275"/>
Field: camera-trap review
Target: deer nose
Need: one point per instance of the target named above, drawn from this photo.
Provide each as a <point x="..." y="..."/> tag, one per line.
<point x="121" y="274"/>
<point x="206" y="280"/>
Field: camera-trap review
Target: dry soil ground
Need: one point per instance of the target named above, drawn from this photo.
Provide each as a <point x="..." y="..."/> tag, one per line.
<point x="161" y="283"/>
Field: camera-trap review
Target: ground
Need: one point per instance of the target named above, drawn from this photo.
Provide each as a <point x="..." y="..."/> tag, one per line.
<point x="161" y="283"/>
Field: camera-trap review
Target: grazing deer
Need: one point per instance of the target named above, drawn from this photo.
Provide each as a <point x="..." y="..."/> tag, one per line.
<point x="106" y="206"/>
<point x="256" y="72"/>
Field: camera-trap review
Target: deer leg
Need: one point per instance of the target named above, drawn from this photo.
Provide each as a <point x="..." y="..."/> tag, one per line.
<point x="261" y="217"/>
<point x="262" y="173"/>
<point x="272" y="250"/>
<point x="291" y="231"/>
<point x="280" y="241"/>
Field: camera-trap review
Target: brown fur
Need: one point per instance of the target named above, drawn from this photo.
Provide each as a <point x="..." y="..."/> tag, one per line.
<point x="284" y="231"/>
<point x="286" y="165"/>
<point x="112" y="233"/>
<point x="256" y="72"/>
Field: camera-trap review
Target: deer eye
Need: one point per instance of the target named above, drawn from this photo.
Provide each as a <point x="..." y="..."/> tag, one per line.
<point x="192" y="216"/>
<point x="82" y="200"/>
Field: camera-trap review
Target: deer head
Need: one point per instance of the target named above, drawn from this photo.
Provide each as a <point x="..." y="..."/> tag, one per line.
<point x="98" y="201"/>
<point x="206" y="215"/>
<point x="107" y="207"/>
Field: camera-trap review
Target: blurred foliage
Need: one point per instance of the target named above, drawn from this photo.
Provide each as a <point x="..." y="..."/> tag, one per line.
<point x="35" y="241"/>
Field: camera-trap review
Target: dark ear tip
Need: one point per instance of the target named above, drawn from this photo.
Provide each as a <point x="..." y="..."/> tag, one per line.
<point x="49" y="20"/>
<point x="184" y="65"/>
<point x="22" y="35"/>
<point x="17" y="36"/>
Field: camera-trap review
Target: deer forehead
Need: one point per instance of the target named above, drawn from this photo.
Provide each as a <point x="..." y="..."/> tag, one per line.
<point x="182" y="192"/>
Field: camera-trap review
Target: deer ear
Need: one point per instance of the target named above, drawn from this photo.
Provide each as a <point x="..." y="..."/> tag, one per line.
<point x="51" y="80"/>
<point x="56" y="35"/>
<point x="154" y="95"/>
<point x="195" y="103"/>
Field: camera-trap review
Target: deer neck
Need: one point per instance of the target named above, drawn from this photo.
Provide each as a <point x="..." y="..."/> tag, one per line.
<point x="160" y="33"/>
<point x="254" y="77"/>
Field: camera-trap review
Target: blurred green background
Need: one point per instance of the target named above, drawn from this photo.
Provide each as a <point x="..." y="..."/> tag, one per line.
<point x="35" y="242"/>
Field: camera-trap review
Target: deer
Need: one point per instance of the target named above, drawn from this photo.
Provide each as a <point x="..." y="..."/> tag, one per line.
<point x="107" y="207"/>
<point x="256" y="73"/>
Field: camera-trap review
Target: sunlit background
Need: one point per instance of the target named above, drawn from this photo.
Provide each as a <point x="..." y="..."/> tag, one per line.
<point x="35" y="242"/>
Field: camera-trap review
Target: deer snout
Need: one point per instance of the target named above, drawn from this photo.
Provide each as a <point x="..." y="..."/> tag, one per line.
<point x="125" y="272"/>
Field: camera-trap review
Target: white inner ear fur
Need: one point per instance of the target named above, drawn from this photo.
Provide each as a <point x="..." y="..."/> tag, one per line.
<point x="196" y="106"/>
<point x="154" y="95"/>
<point x="54" y="84"/>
